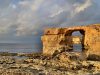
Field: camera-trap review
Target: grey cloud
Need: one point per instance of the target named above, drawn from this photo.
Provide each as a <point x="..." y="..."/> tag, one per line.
<point x="34" y="15"/>
<point x="27" y="18"/>
<point x="4" y="3"/>
<point x="76" y="1"/>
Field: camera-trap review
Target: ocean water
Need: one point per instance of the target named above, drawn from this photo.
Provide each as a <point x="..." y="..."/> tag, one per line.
<point x="27" y="48"/>
<point x="17" y="48"/>
<point x="77" y="47"/>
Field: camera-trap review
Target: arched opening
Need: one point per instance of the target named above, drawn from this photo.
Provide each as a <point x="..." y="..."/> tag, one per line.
<point x="77" y="41"/>
<point x="74" y="40"/>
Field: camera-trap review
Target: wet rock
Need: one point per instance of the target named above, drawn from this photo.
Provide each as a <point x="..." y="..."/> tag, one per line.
<point x="7" y="54"/>
<point x="93" y="57"/>
<point x="7" y="60"/>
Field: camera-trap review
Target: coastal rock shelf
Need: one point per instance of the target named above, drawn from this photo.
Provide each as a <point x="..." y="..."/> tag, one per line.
<point x="64" y="63"/>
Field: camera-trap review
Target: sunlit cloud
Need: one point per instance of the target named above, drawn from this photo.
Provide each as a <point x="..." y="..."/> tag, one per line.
<point x="32" y="15"/>
<point x="28" y="18"/>
<point x="82" y="7"/>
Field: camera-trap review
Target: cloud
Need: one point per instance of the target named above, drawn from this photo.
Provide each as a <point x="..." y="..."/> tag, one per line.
<point x="33" y="15"/>
<point x="81" y="7"/>
<point x="4" y="3"/>
<point x="40" y="14"/>
<point x="28" y="18"/>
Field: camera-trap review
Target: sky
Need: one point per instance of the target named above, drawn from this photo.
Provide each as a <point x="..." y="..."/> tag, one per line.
<point x="23" y="21"/>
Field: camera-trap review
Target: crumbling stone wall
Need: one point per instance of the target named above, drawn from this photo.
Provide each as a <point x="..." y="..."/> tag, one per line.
<point x="58" y="39"/>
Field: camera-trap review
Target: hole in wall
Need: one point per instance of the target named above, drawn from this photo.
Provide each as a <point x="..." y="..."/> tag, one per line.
<point x="74" y="40"/>
<point x="77" y="41"/>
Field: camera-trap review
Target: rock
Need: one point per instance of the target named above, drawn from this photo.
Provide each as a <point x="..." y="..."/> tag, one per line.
<point x="65" y="63"/>
<point x="93" y="57"/>
<point x="7" y="60"/>
<point x="65" y="58"/>
<point x="16" y="72"/>
<point x="19" y="61"/>
<point x="71" y="56"/>
<point x="29" y="60"/>
<point x="55" y="39"/>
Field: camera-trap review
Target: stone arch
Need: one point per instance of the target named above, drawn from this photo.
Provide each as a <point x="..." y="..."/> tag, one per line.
<point x="69" y="37"/>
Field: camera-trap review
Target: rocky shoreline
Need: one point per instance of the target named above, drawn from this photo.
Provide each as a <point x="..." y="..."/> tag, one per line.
<point x="64" y="63"/>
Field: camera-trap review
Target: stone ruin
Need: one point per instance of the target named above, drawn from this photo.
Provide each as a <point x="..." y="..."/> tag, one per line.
<point x="61" y="39"/>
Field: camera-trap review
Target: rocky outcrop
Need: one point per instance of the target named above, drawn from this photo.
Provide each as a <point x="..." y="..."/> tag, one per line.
<point x="65" y="63"/>
<point x="60" y="39"/>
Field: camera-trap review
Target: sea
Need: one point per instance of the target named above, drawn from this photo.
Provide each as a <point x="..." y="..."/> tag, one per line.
<point x="27" y="48"/>
<point x="17" y="48"/>
<point x="77" y="47"/>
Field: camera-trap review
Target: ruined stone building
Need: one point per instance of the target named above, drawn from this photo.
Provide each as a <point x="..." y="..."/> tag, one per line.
<point x="57" y="39"/>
